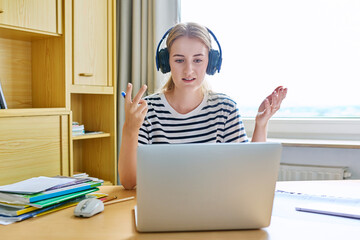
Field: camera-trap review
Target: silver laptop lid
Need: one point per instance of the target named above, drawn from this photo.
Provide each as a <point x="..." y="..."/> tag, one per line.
<point x="187" y="187"/>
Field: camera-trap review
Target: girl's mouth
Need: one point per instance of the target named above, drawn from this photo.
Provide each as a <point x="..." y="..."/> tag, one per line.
<point x="188" y="79"/>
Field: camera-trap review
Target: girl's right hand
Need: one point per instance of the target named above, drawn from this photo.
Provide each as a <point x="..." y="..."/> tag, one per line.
<point x="135" y="109"/>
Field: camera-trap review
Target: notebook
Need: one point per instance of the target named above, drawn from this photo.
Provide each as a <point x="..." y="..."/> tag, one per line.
<point x="190" y="187"/>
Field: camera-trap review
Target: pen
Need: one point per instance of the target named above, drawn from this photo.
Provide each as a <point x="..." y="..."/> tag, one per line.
<point x="119" y="200"/>
<point x="124" y="94"/>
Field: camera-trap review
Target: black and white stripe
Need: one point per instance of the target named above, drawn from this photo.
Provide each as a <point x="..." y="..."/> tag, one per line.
<point x="215" y="120"/>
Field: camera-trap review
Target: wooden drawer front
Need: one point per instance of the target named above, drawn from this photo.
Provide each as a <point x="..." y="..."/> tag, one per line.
<point x="30" y="14"/>
<point x="29" y="147"/>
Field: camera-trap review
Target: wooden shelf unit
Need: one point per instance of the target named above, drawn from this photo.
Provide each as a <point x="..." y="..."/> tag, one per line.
<point x="39" y="73"/>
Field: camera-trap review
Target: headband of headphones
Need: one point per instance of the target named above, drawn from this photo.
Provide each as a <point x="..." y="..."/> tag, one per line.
<point x="215" y="57"/>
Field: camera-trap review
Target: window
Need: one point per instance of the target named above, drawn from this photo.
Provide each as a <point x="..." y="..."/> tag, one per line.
<point x="310" y="46"/>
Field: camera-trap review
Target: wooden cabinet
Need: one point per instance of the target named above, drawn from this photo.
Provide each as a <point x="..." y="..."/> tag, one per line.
<point x="93" y="88"/>
<point x="90" y="42"/>
<point x="37" y="15"/>
<point x="34" y="130"/>
<point x="39" y="66"/>
<point x="33" y="145"/>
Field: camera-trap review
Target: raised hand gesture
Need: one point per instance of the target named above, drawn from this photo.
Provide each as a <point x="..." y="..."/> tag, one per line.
<point x="270" y="106"/>
<point x="135" y="109"/>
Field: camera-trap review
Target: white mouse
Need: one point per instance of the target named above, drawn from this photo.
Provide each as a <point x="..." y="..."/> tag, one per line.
<point x="89" y="207"/>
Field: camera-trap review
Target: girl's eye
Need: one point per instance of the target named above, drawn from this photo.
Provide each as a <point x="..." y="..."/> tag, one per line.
<point x="179" y="60"/>
<point x="198" y="60"/>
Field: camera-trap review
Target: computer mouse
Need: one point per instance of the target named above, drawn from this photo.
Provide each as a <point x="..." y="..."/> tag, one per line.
<point x="89" y="207"/>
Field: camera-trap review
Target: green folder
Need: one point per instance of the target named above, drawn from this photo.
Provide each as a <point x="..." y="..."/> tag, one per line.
<point x="51" y="201"/>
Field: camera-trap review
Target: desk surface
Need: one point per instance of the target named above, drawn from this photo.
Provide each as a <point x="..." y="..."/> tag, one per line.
<point x="117" y="222"/>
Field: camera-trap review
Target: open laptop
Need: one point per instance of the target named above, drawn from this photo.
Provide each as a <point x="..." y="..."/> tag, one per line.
<point x="190" y="187"/>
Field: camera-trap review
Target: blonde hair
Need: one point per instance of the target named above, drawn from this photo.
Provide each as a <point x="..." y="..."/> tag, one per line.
<point x="191" y="30"/>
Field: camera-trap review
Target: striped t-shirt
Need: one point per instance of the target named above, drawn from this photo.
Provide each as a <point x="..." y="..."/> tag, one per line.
<point x="215" y="120"/>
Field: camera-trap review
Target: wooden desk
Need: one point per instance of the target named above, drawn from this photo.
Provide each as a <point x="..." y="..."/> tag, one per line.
<point x="117" y="222"/>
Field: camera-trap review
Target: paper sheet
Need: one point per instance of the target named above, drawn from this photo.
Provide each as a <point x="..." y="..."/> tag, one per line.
<point x="322" y="188"/>
<point x="325" y="197"/>
<point x="34" y="185"/>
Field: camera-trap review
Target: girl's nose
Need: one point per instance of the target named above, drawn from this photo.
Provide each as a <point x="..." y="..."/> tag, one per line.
<point x="188" y="68"/>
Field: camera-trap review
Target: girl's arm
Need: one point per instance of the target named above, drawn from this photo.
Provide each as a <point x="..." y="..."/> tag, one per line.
<point x="267" y="109"/>
<point x="135" y="111"/>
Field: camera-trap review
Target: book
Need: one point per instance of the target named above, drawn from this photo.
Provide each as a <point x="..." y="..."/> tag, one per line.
<point x="13" y="205"/>
<point x="85" y="175"/>
<point x="10" y="211"/>
<point x="31" y="198"/>
<point x="78" y="133"/>
<point x="3" y="104"/>
<point x="74" y="199"/>
<point x="93" y="132"/>
<point x="78" y="127"/>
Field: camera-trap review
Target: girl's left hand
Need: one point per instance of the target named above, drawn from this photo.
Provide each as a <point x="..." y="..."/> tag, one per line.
<point x="270" y="106"/>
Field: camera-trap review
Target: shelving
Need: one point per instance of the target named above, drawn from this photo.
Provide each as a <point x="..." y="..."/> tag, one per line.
<point x="28" y="77"/>
<point x="89" y="136"/>
<point x="34" y="130"/>
<point x="40" y="79"/>
<point x="92" y="87"/>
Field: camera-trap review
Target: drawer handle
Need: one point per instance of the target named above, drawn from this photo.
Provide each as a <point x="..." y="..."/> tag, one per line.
<point x="1" y="11"/>
<point x="86" y="74"/>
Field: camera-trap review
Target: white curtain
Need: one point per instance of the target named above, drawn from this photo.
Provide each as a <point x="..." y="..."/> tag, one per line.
<point x="140" y="26"/>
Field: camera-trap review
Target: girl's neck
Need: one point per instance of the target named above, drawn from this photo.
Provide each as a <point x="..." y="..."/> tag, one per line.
<point x="184" y="101"/>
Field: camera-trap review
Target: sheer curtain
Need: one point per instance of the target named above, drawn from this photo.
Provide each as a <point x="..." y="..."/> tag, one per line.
<point x="140" y="26"/>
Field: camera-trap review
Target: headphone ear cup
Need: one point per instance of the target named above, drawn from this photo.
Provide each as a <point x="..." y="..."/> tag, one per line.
<point x="163" y="60"/>
<point x="214" y="63"/>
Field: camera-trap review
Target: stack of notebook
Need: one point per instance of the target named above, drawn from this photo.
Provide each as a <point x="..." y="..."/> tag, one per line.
<point x="41" y="195"/>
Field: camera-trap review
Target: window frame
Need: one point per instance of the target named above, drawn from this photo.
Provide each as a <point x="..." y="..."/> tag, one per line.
<point x="311" y="128"/>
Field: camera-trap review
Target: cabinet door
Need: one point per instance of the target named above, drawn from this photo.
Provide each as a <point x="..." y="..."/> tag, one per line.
<point x="33" y="146"/>
<point x="30" y="14"/>
<point x="90" y="42"/>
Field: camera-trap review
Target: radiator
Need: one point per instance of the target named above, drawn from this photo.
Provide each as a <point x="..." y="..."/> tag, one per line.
<point x="294" y="172"/>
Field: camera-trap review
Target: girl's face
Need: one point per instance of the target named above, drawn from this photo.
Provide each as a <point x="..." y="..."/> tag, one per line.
<point x="188" y="62"/>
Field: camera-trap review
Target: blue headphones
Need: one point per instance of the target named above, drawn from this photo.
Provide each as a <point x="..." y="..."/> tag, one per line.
<point x="215" y="57"/>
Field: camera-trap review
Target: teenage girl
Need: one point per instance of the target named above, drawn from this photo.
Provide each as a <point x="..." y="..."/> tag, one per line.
<point x="186" y="110"/>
